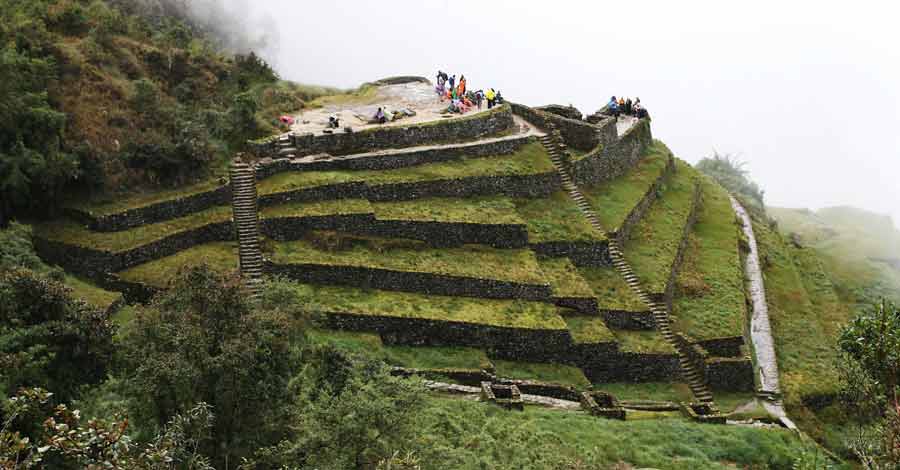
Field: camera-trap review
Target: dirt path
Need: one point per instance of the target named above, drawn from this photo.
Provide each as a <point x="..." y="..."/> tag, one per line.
<point x="760" y="329"/>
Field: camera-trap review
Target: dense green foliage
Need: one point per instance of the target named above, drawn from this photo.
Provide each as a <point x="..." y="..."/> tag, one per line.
<point x="728" y="171"/>
<point x="47" y="338"/>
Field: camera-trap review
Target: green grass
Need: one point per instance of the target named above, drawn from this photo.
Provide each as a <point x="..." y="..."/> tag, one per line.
<point x="90" y="293"/>
<point x="71" y="232"/>
<point x="645" y="342"/>
<point x="653" y="244"/>
<point x="709" y="299"/>
<point x="467" y="261"/>
<point x="556" y="218"/>
<point x="316" y="208"/>
<point x="504" y="313"/>
<point x="220" y="256"/>
<point x="589" y="330"/>
<point x="564" y="278"/>
<point x="612" y="293"/>
<point x="530" y="159"/>
<point x="143" y="198"/>
<point x="647" y="391"/>
<point x="479" y="210"/>
<point x="729" y="401"/>
<point x="544" y="372"/>
<point x="614" y="200"/>
<point x="463" y="434"/>
<point x="123" y="316"/>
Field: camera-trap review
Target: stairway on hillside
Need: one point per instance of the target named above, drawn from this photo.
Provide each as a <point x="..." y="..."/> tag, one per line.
<point x="285" y="146"/>
<point x="557" y="150"/>
<point x="246" y="222"/>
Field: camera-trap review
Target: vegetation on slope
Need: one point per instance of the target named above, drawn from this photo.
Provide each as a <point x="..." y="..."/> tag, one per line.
<point x="728" y="171"/>
<point x="556" y="218"/>
<point x="710" y="300"/>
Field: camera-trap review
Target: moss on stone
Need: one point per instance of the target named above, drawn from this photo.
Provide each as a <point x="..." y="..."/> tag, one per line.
<point x="316" y="208"/>
<point x="564" y="278"/>
<point x="614" y="200"/>
<point x="71" y="232"/>
<point x="611" y="290"/>
<point x="114" y="204"/>
<point x="643" y="342"/>
<point x="709" y="300"/>
<point x="500" y="313"/>
<point x="220" y="256"/>
<point x="556" y="218"/>
<point x="479" y="210"/>
<point x="405" y="255"/>
<point x="589" y="330"/>
<point x="544" y="372"/>
<point x="530" y="159"/>
<point x="653" y="244"/>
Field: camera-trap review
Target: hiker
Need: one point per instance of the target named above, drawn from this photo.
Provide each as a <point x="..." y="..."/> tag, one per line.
<point x="380" y="117"/>
<point x="333" y="122"/>
<point x="490" y="95"/>
<point x="612" y="108"/>
<point x="628" y="107"/>
<point x="639" y="111"/>
<point x="462" y="86"/>
<point x="498" y="99"/>
<point x="479" y="97"/>
<point x="439" y="88"/>
<point x="452" y="82"/>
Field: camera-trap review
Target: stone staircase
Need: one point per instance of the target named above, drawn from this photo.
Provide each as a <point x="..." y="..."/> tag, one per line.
<point x="284" y="146"/>
<point x="558" y="155"/>
<point x="246" y="222"/>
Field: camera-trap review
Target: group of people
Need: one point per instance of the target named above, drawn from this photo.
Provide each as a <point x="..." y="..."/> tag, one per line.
<point x="627" y="107"/>
<point x="460" y="97"/>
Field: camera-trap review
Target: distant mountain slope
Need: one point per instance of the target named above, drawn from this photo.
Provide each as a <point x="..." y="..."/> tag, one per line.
<point x="860" y="249"/>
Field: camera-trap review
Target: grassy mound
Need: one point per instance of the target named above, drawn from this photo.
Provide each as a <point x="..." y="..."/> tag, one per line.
<point x="612" y="292"/>
<point x="221" y="256"/>
<point x="644" y="342"/>
<point x="544" y="372"/>
<point x="653" y="244"/>
<point x="480" y="210"/>
<point x="316" y="209"/>
<point x="710" y="287"/>
<point x="564" y="279"/>
<point x="614" y="200"/>
<point x="589" y="330"/>
<point x="403" y="255"/>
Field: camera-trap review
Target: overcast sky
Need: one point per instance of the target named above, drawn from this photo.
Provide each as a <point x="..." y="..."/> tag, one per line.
<point x="808" y="93"/>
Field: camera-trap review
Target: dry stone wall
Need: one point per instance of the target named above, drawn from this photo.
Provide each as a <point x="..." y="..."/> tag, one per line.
<point x="616" y="158"/>
<point x="569" y="112"/>
<point x="582" y="254"/>
<point x="575" y="133"/>
<point x="638" y="211"/>
<point x="730" y="374"/>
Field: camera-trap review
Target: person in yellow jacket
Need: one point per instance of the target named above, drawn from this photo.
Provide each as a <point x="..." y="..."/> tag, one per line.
<point x="490" y="94"/>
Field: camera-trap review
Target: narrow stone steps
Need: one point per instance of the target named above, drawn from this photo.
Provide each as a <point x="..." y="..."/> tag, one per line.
<point x="246" y="222"/>
<point x="554" y="146"/>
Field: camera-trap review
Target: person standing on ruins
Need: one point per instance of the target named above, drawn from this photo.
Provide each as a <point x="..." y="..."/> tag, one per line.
<point x="490" y="95"/>
<point x="462" y="86"/>
<point x="452" y="81"/>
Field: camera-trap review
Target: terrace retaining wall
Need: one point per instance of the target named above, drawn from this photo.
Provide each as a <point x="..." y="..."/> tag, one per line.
<point x="669" y="289"/>
<point x="723" y="347"/>
<point x="153" y="213"/>
<point x="632" y="367"/>
<point x="569" y="112"/>
<point x="638" y="211"/>
<point x="575" y="133"/>
<point x="390" y="160"/>
<point x="460" y="129"/>
<point x="408" y="281"/>
<point x="634" y="321"/>
<point x="616" y="158"/>
<point x="730" y="374"/>
<point x="582" y="254"/>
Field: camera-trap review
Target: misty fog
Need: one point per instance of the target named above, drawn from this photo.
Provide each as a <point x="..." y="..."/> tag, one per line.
<point x="805" y="92"/>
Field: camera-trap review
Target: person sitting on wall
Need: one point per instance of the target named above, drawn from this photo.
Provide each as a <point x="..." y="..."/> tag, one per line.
<point x="639" y="111"/>
<point x="628" y="107"/>
<point x="380" y="116"/>
<point x="333" y="122"/>
<point x="612" y="108"/>
<point x="498" y="99"/>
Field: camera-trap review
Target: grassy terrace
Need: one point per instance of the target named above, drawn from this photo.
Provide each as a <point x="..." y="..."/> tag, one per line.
<point x="71" y="232"/>
<point x="589" y="330"/>
<point x="480" y="210"/>
<point x="710" y="289"/>
<point x="530" y="159"/>
<point x="316" y="208"/>
<point x="614" y="200"/>
<point x="220" y="256"/>
<point x="404" y="255"/>
<point x="501" y="313"/>
<point x="612" y="292"/>
<point x="648" y="391"/>
<point x="556" y="218"/>
<point x="142" y="199"/>
<point x="556" y="373"/>
<point x="564" y="278"/>
<point x="646" y="342"/>
<point x="653" y="244"/>
<point x="90" y="293"/>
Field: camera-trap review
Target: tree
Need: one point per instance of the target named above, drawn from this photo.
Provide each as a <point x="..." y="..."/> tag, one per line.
<point x="728" y="171"/>
<point x="47" y="338"/>
<point x="64" y="440"/>
<point x="350" y="413"/>
<point x="871" y="350"/>
<point x="203" y="341"/>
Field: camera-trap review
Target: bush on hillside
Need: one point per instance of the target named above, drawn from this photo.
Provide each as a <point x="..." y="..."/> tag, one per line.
<point x="728" y="171"/>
